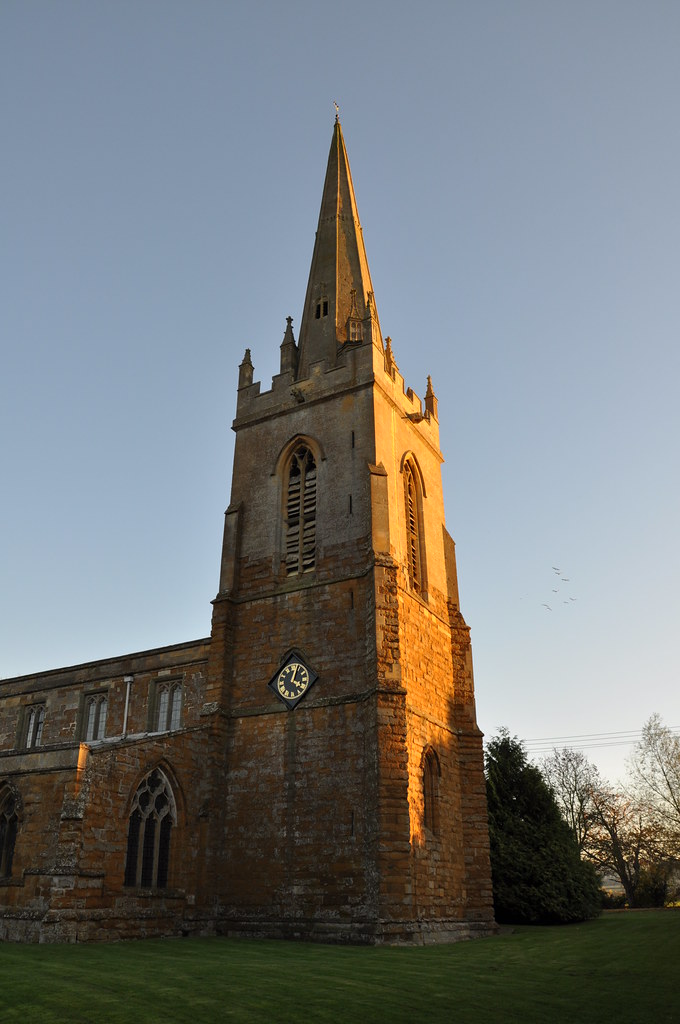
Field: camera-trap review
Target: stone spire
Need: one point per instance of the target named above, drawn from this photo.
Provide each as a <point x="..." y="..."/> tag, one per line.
<point x="339" y="306"/>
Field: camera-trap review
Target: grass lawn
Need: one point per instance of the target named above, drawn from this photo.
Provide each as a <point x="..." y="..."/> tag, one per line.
<point x="623" y="968"/>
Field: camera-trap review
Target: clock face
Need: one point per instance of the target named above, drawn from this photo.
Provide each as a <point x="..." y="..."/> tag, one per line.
<point x="291" y="682"/>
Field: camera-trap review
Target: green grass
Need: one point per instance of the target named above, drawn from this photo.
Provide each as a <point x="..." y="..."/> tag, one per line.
<point x="623" y="968"/>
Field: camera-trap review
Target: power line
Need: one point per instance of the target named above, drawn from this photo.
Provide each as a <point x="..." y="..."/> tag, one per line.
<point x="588" y="736"/>
<point x="588" y="740"/>
<point x="581" y="746"/>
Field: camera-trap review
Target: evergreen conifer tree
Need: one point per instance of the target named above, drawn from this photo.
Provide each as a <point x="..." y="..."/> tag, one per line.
<point x="538" y="875"/>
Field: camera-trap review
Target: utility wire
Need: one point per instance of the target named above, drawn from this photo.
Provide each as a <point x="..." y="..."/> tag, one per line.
<point x="588" y="740"/>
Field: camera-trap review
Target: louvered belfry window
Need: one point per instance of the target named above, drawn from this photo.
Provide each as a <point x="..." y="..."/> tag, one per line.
<point x="412" y="529"/>
<point x="301" y="512"/>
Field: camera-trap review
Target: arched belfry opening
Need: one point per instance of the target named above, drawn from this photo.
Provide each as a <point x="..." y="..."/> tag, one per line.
<point x="414" y="526"/>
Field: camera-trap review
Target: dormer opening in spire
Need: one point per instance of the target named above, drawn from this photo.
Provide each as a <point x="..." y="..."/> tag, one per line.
<point x="354" y="325"/>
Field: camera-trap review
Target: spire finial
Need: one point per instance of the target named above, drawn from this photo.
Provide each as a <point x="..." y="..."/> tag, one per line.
<point x="337" y="112"/>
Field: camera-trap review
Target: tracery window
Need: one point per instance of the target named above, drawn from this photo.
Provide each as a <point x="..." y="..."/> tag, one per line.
<point x="431" y="773"/>
<point x="33" y="725"/>
<point x="355" y="331"/>
<point x="8" y="831"/>
<point x="413" y="539"/>
<point x="96" y="707"/>
<point x="152" y="817"/>
<point x="168" y="707"/>
<point x="300" y="511"/>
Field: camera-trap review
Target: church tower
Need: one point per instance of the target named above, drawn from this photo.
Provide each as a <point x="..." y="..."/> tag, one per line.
<point x="351" y="800"/>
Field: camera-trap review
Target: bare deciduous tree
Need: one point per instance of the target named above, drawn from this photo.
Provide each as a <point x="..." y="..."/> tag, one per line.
<point x="632" y="834"/>
<point x="623" y="839"/>
<point x="573" y="779"/>
<point x="654" y="769"/>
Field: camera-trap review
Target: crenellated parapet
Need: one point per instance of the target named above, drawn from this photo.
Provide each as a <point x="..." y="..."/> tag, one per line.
<point x="422" y="414"/>
<point x="351" y="371"/>
<point x="355" y="366"/>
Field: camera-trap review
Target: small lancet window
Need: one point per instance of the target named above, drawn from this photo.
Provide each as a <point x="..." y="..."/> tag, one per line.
<point x="151" y="820"/>
<point x="300" y="512"/>
<point x="431" y="791"/>
<point x="321" y="307"/>
<point x="35" y="720"/>
<point x="8" y="831"/>
<point x="95" y="716"/>
<point x="413" y="551"/>
<point x="168" y="707"/>
<point x="355" y="332"/>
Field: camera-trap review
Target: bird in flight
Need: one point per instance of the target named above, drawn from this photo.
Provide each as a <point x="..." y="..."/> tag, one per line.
<point x="556" y="590"/>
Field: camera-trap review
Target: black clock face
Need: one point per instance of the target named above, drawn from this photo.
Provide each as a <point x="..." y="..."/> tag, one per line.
<point x="292" y="680"/>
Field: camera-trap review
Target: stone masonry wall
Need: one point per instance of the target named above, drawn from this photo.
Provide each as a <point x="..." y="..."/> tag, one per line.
<point x="298" y="812"/>
<point x="74" y="802"/>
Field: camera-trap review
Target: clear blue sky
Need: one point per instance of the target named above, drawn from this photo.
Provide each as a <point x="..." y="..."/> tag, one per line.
<point x="516" y="167"/>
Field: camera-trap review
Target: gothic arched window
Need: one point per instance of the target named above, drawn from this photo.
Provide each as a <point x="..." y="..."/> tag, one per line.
<point x="300" y="511"/>
<point x="431" y="773"/>
<point x="151" y="819"/>
<point x="8" y="831"/>
<point x="414" y="553"/>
